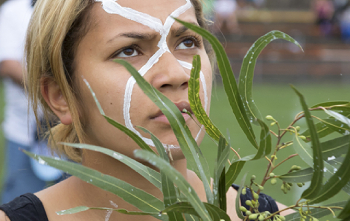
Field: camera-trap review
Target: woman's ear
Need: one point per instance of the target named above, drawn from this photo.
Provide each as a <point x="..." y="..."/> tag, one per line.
<point x="55" y="99"/>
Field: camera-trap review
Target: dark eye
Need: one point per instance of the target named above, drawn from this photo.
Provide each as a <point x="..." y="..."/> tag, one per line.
<point x="186" y="44"/>
<point x="128" y="52"/>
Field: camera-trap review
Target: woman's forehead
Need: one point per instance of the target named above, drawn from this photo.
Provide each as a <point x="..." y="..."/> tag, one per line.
<point x="160" y="9"/>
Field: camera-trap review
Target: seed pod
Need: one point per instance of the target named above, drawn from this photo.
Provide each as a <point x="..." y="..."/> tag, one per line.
<point x="243" y="209"/>
<point x="253" y="177"/>
<point x="261" y="217"/>
<point x="287" y="186"/>
<point x="253" y="216"/>
<point x="273" y="123"/>
<point x="272" y="175"/>
<point x="255" y="195"/>
<point x="248" y="213"/>
<point x="282" y="218"/>
<point x="248" y="202"/>
<point x="302" y="137"/>
<point x="273" y="181"/>
<point x="269" y="117"/>
<point x="290" y="184"/>
<point x="300" y="184"/>
<point x="244" y="191"/>
<point x="261" y="187"/>
<point x="297" y="128"/>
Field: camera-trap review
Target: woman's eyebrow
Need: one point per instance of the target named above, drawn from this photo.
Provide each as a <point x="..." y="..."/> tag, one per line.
<point x="180" y="30"/>
<point x="135" y="35"/>
<point x="148" y="36"/>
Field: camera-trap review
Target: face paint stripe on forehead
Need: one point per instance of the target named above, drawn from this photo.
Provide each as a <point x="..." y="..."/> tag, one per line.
<point x="112" y="7"/>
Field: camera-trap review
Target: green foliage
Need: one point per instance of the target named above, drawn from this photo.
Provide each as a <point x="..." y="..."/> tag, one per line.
<point x="328" y="169"/>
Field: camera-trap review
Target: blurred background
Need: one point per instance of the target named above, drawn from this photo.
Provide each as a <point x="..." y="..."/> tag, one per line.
<point x="321" y="72"/>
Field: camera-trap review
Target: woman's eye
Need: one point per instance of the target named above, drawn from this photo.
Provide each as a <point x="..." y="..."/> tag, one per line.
<point x="128" y="52"/>
<point x="186" y="44"/>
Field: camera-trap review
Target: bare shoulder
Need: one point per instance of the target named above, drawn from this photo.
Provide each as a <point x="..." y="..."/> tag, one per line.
<point x="3" y="216"/>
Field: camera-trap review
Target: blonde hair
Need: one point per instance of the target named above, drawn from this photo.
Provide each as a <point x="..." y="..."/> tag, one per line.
<point x="55" y="30"/>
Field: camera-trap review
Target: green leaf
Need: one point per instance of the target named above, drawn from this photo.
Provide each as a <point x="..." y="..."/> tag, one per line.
<point x="264" y="149"/>
<point x="178" y="180"/>
<point x="246" y="76"/>
<point x="328" y="126"/>
<point x="222" y="157"/>
<point x="345" y="213"/>
<point x="338" y="116"/>
<point x="336" y="147"/>
<point x="332" y="150"/>
<point x="305" y="154"/>
<point x="188" y="145"/>
<point x="184" y="207"/>
<point x="335" y="183"/>
<point x="85" y="208"/>
<point x="137" y="197"/>
<point x="228" y="80"/>
<point x="334" y="105"/>
<point x="317" y="212"/>
<point x="233" y="172"/>
<point x="148" y="173"/>
<point x="168" y="188"/>
<point x="195" y="101"/>
<point x="265" y="141"/>
<point x="316" y="181"/>
<point x="238" y="197"/>
<point x="300" y="176"/>
<point x="189" y="217"/>
<point x="121" y="127"/>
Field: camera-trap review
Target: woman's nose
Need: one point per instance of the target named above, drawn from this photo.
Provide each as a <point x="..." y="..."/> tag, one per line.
<point x="169" y="75"/>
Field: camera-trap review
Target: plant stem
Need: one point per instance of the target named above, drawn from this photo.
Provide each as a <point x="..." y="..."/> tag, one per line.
<point x="239" y="157"/>
<point x="291" y="156"/>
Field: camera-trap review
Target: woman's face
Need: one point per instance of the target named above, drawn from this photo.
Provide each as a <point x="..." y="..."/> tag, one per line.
<point x="113" y="35"/>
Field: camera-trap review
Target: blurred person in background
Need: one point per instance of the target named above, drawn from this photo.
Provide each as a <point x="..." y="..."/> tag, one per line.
<point x="324" y="10"/>
<point x="342" y="18"/>
<point x="225" y="16"/>
<point x="21" y="175"/>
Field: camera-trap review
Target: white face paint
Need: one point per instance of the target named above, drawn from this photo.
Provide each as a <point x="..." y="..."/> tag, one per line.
<point x="112" y="7"/>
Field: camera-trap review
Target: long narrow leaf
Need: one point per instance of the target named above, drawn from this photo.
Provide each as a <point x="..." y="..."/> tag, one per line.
<point x="238" y="197"/>
<point x="335" y="148"/>
<point x="334" y="105"/>
<point x="137" y="197"/>
<point x="338" y="116"/>
<point x="305" y="153"/>
<point x="328" y="126"/>
<point x="184" y="207"/>
<point x="178" y="180"/>
<point x="246" y="76"/>
<point x="229" y="81"/>
<point x="336" y="182"/>
<point x="316" y="181"/>
<point x="300" y="176"/>
<point x="222" y="157"/>
<point x="265" y="141"/>
<point x="345" y="213"/>
<point x="85" y="208"/>
<point x="148" y="173"/>
<point x="121" y="127"/>
<point x="317" y="212"/>
<point x="188" y="145"/>
<point x="195" y="101"/>
<point x="264" y="149"/>
<point x="168" y="188"/>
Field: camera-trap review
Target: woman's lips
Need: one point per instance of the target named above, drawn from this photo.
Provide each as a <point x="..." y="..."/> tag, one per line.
<point x="162" y="118"/>
<point x="159" y="116"/>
